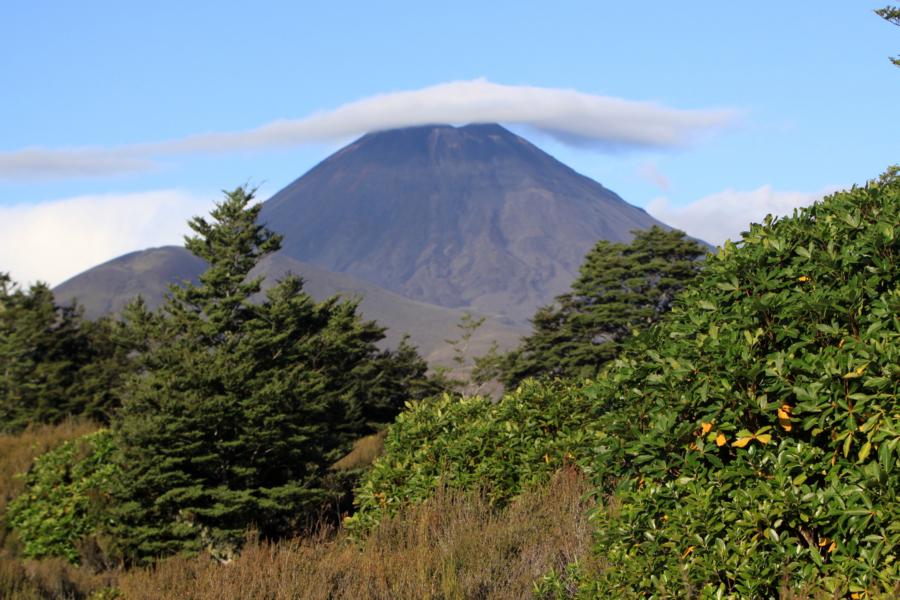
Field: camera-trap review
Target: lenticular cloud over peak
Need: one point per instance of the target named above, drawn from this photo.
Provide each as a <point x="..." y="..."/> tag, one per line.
<point x="570" y="116"/>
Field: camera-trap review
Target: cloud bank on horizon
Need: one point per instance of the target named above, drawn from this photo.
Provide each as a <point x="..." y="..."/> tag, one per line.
<point x="571" y="117"/>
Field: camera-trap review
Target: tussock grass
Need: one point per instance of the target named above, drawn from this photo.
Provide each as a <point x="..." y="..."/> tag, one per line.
<point x="453" y="546"/>
<point x="456" y="545"/>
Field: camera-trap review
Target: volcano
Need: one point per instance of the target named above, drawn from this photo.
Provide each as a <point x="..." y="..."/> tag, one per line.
<point x="470" y="217"/>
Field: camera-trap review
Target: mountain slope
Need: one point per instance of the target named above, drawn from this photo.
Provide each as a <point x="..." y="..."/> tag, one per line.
<point x="472" y="216"/>
<point x="107" y="288"/>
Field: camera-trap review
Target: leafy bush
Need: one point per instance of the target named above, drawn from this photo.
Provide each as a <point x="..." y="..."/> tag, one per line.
<point x="748" y="444"/>
<point x="466" y="443"/>
<point x="63" y="497"/>
<point x="754" y="437"/>
<point x="18" y="451"/>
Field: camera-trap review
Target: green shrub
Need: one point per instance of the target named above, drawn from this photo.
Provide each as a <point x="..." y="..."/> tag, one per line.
<point x="754" y="436"/>
<point x="466" y="443"/>
<point x="64" y="496"/>
<point x="748" y="445"/>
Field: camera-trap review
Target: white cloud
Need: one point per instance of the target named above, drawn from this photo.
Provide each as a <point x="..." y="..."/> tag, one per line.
<point x="55" y="240"/>
<point x="724" y="215"/>
<point x="570" y="116"/>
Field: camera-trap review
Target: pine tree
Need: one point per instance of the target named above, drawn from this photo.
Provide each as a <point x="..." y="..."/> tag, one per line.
<point x="242" y="403"/>
<point x="620" y="288"/>
<point x="53" y="363"/>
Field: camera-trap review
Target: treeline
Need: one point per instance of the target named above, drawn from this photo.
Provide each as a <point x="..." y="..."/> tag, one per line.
<point x="54" y="363"/>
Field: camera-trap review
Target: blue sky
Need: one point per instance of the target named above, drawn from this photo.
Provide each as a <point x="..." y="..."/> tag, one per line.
<point x="768" y="105"/>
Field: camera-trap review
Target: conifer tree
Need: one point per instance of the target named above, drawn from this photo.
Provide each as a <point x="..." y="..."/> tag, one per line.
<point x="53" y="363"/>
<point x="242" y="403"/>
<point x="620" y="288"/>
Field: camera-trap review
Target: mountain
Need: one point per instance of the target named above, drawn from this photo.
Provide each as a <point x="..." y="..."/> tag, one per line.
<point x="424" y="223"/>
<point x="108" y="287"/>
<point x="463" y="217"/>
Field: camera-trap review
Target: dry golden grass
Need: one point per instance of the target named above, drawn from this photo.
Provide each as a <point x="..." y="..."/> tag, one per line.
<point x="454" y="546"/>
<point x="364" y="452"/>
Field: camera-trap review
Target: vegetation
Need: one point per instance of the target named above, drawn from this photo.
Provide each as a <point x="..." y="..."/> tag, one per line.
<point x="242" y="404"/>
<point x="65" y="500"/>
<point x="466" y="443"/>
<point x="621" y="288"/>
<point x="744" y="445"/>
<point x="54" y="363"/>
<point x="456" y="545"/>
<point x="18" y="452"/>
<point x="755" y="434"/>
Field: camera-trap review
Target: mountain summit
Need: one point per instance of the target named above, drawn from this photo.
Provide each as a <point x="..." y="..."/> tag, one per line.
<point x="463" y="217"/>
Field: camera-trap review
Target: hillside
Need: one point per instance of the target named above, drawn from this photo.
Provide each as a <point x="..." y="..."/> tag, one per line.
<point x="107" y="288"/>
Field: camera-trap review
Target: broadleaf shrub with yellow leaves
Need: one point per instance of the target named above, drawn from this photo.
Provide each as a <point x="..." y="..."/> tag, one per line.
<point x="757" y="430"/>
<point x="745" y="447"/>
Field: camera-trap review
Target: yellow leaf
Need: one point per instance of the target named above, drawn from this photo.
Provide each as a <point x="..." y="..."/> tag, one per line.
<point x="856" y="373"/>
<point x="706" y="427"/>
<point x="764" y="438"/>
<point x="547" y="458"/>
<point x="832" y="547"/>
<point x="688" y="551"/>
<point x="784" y="416"/>
<point x="823" y="542"/>
<point x="841" y="344"/>
<point x="803" y="278"/>
<point x="740" y="443"/>
<point x="720" y="440"/>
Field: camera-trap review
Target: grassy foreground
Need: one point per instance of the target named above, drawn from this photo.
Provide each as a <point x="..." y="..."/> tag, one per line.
<point x="455" y="545"/>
